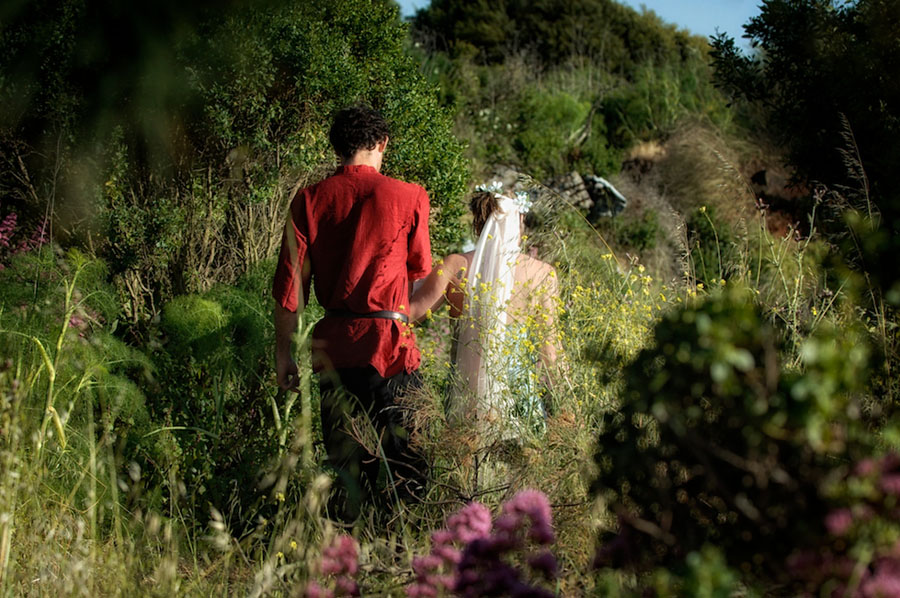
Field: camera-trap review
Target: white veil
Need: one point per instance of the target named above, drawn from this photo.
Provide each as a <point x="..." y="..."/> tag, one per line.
<point x="483" y="327"/>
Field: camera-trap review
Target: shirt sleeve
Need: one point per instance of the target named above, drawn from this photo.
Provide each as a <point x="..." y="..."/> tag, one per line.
<point x="418" y="261"/>
<point x="289" y="274"/>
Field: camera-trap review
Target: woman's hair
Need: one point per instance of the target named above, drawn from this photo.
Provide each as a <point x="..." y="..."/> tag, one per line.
<point x="355" y="128"/>
<point x="482" y="204"/>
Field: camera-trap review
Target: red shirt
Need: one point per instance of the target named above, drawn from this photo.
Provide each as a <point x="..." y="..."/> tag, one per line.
<point x="366" y="237"/>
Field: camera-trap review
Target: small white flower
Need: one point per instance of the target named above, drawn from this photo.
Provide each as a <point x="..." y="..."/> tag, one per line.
<point x="492" y="187"/>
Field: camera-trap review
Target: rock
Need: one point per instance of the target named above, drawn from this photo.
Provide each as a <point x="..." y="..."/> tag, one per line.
<point x="572" y="186"/>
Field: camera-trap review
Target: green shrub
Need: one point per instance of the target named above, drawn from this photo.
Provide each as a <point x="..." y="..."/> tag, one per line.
<point x="639" y="234"/>
<point x="195" y="326"/>
<point x="219" y="393"/>
<point x="547" y="121"/>
<point x="660" y="97"/>
<point x="719" y="442"/>
<point x="554" y="31"/>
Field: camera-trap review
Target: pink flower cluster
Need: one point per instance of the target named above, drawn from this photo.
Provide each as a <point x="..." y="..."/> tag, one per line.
<point x="470" y="523"/>
<point x="531" y="505"/>
<point x="881" y="578"/>
<point x="480" y="567"/>
<point x="8" y="229"/>
<point x="340" y="561"/>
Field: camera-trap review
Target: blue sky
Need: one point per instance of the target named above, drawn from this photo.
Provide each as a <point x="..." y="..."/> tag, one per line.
<point x="697" y="16"/>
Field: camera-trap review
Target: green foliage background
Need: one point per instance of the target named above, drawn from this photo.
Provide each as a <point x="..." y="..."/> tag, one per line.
<point x="554" y="86"/>
<point x="819" y="82"/>
<point x="185" y="130"/>
<point x="737" y="392"/>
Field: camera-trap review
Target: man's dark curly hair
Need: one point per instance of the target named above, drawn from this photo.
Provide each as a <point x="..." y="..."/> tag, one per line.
<point x="355" y="128"/>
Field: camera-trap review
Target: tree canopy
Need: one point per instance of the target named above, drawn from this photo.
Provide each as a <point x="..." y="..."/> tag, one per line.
<point x="605" y="30"/>
<point x="823" y="74"/>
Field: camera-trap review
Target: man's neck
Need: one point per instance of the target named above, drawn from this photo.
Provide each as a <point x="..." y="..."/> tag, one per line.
<point x="365" y="158"/>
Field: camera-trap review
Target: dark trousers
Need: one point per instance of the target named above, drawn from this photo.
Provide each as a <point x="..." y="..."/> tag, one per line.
<point x="347" y="394"/>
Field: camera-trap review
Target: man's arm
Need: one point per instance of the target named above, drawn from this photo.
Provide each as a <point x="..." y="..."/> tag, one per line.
<point x="432" y="293"/>
<point x="285" y="366"/>
<point x="290" y="289"/>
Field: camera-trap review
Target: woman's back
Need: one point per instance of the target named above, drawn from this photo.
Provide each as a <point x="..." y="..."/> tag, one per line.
<point x="531" y="303"/>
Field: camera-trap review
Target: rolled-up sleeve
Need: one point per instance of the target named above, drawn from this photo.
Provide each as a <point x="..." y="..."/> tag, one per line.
<point x="418" y="262"/>
<point x="289" y="280"/>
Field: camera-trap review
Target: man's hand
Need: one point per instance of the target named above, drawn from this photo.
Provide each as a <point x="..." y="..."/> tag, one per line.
<point x="287" y="372"/>
<point x="285" y="366"/>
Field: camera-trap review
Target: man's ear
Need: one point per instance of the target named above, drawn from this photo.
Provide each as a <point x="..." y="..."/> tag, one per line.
<point x="381" y="145"/>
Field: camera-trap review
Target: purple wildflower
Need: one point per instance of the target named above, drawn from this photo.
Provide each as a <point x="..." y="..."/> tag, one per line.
<point x="314" y="590"/>
<point x="890" y="484"/>
<point x="620" y="550"/>
<point x="471" y="522"/>
<point x="544" y="563"/>
<point x="837" y="522"/>
<point x="345" y="586"/>
<point x="889" y="462"/>
<point x="536" y="507"/>
<point x="447" y="554"/>
<point x="425" y="564"/>
<point x="884" y="582"/>
<point x="39" y="236"/>
<point x="341" y="558"/>
<point x="7" y="228"/>
<point x="421" y="590"/>
<point x="480" y="568"/>
<point x="467" y="525"/>
<point x="865" y="467"/>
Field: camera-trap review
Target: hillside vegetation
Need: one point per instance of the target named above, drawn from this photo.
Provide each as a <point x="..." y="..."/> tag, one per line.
<point x="723" y="418"/>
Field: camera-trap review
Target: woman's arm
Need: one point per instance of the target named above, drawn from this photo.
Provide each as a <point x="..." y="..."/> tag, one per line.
<point x="549" y="350"/>
<point x="434" y="289"/>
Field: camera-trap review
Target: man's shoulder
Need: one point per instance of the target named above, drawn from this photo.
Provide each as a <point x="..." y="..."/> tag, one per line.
<point x="384" y="184"/>
<point x="401" y="186"/>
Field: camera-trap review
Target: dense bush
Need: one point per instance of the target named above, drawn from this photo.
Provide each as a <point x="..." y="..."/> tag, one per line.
<point x="218" y="399"/>
<point x="545" y="126"/>
<point x="660" y="97"/>
<point x="718" y="441"/>
<point x="821" y="61"/>
<point x="637" y="233"/>
<point x="551" y="87"/>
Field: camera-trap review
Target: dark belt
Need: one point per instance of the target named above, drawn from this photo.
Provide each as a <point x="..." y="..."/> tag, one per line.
<point x="385" y="315"/>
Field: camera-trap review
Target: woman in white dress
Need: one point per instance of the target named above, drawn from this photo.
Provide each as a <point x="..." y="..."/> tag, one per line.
<point x="505" y="305"/>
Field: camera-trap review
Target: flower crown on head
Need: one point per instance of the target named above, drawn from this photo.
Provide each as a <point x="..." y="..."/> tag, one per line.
<point x="521" y="198"/>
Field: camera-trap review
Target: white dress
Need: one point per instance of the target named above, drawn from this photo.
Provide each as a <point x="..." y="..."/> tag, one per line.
<point x="497" y="390"/>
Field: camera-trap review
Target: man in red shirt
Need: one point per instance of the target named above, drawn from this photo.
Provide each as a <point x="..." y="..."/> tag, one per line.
<point x="363" y="238"/>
